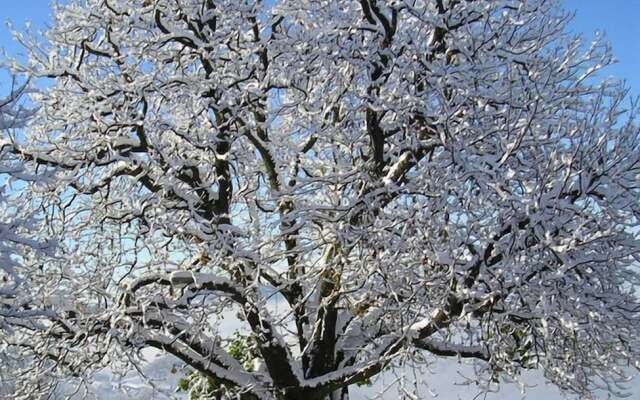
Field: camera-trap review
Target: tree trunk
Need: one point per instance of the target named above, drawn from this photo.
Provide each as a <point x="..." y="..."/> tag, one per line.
<point x="341" y="394"/>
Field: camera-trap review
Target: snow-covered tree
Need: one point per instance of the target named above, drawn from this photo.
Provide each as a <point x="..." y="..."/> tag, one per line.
<point x="407" y="179"/>
<point x="19" y="242"/>
<point x="16" y="221"/>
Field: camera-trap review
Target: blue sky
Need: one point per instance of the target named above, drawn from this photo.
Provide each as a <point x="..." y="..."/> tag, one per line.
<point x="619" y="19"/>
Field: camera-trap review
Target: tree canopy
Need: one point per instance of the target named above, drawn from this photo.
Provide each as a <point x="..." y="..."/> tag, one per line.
<point x="412" y="179"/>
